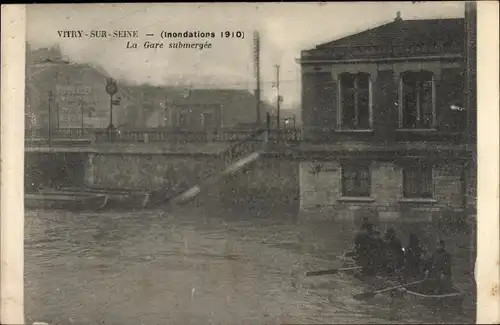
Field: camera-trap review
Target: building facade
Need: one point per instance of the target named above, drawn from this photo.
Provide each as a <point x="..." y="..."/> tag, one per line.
<point x="74" y="93"/>
<point x="388" y="106"/>
<point x="194" y="110"/>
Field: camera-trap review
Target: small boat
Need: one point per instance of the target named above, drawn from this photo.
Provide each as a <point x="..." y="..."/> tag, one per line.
<point x="65" y="201"/>
<point x="118" y="199"/>
<point x="415" y="293"/>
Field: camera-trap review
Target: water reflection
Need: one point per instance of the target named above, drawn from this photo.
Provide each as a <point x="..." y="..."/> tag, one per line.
<point x="187" y="268"/>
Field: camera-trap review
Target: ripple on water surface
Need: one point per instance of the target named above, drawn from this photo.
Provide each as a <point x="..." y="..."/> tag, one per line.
<point x="153" y="268"/>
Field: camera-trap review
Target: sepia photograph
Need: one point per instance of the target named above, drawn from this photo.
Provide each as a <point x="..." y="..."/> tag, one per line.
<point x="257" y="163"/>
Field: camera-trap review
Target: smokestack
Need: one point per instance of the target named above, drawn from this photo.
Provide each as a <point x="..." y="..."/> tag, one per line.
<point x="256" y="43"/>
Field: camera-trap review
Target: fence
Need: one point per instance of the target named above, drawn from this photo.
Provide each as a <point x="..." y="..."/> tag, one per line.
<point x="70" y="134"/>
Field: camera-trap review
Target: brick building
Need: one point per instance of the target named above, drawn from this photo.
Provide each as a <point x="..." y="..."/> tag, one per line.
<point x="387" y="108"/>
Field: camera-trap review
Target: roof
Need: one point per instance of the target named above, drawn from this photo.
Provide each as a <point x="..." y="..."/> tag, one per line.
<point x="402" y="32"/>
<point x="214" y="96"/>
<point x="397" y="39"/>
<point x="185" y="96"/>
<point x="149" y="91"/>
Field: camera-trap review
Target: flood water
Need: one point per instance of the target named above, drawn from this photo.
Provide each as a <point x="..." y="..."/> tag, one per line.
<point x="189" y="267"/>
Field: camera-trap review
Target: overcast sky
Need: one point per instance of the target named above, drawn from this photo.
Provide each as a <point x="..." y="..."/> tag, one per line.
<point x="286" y="29"/>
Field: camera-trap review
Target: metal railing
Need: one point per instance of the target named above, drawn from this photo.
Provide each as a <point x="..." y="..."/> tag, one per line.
<point x="235" y="136"/>
<point x="140" y="135"/>
<point x="285" y="135"/>
<point x="253" y="142"/>
<point x="70" y="134"/>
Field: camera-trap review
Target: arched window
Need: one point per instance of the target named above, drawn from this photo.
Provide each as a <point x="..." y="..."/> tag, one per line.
<point x="355" y="104"/>
<point x="417" y="107"/>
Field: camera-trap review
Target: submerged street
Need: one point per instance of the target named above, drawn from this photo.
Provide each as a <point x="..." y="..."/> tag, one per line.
<point x="188" y="267"/>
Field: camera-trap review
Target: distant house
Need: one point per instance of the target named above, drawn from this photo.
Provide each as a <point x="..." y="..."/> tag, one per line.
<point x="208" y="109"/>
<point x="192" y="109"/>
<point x="148" y="107"/>
<point x="74" y="93"/>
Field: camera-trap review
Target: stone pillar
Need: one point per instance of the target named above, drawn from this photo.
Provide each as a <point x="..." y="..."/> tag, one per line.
<point x="89" y="179"/>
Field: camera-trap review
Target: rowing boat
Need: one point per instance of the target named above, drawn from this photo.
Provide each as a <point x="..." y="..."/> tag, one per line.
<point x="65" y="201"/>
<point x="415" y="293"/>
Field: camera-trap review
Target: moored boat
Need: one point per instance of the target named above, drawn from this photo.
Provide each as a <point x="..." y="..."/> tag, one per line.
<point x="65" y="201"/>
<point x="118" y="199"/>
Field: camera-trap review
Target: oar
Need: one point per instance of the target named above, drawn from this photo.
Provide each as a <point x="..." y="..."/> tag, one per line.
<point x="332" y="271"/>
<point x="367" y="295"/>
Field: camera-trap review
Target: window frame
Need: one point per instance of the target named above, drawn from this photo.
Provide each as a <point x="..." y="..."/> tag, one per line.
<point x="401" y="95"/>
<point x="349" y="166"/>
<point x="340" y="124"/>
<point x="421" y="167"/>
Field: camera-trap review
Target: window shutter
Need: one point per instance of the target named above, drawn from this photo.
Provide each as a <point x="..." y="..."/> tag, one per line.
<point x="450" y="91"/>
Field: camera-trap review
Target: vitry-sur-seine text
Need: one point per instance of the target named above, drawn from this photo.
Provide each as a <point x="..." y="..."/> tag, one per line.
<point x="201" y="40"/>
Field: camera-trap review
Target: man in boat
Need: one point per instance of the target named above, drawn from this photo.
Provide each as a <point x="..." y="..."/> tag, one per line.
<point x="414" y="257"/>
<point x="363" y="246"/>
<point x="377" y="257"/>
<point x="439" y="272"/>
<point x="393" y="251"/>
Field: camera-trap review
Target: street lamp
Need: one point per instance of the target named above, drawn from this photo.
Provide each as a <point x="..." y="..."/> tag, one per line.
<point x="111" y="89"/>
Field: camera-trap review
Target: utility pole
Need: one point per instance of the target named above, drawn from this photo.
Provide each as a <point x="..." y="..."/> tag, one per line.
<point x="51" y="96"/>
<point x="278" y="99"/>
<point x="58" y="117"/>
<point x="82" y="102"/>
<point x="256" y="51"/>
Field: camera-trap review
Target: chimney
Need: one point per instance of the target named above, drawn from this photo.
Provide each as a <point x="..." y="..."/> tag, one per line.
<point x="398" y="16"/>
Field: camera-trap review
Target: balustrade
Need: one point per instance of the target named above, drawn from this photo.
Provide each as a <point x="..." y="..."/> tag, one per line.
<point x="241" y="138"/>
<point x="70" y="133"/>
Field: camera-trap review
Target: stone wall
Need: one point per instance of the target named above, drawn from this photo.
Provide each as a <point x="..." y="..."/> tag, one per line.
<point x="265" y="185"/>
<point x="150" y="172"/>
<point x="53" y="170"/>
<point x="321" y="197"/>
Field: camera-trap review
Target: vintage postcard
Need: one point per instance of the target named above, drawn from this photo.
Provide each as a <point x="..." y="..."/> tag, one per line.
<point x="253" y="163"/>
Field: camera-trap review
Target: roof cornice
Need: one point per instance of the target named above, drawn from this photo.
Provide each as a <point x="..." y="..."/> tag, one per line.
<point x="383" y="59"/>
